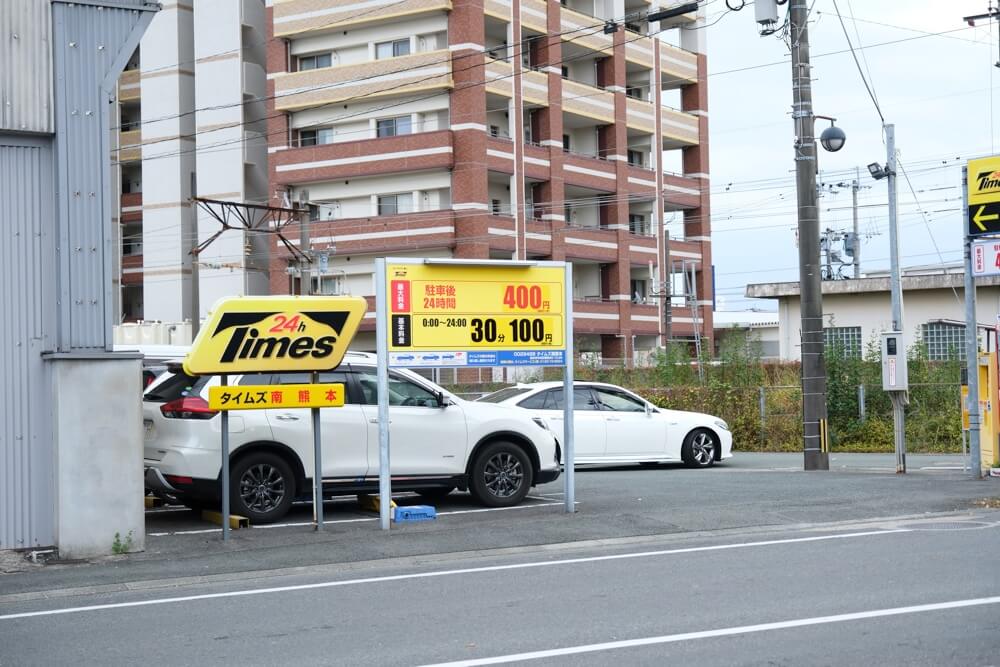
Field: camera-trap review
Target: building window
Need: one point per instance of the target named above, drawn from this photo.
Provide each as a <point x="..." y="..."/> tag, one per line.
<point x="393" y="204"/>
<point x="393" y="49"/>
<point x="637" y="224"/>
<point x="635" y="92"/>
<point x="845" y="339"/>
<point x="943" y="341"/>
<point x="565" y="72"/>
<point x="315" y="61"/>
<point x="316" y="136"/>
<point x="495" y="206"/>
<point x="565" y="142"/>
<point x="635" y="158"/>
<point x="390" y="127"/>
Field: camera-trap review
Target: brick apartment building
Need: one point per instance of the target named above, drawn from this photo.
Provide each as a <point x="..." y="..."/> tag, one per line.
<point x="525" y="129"/>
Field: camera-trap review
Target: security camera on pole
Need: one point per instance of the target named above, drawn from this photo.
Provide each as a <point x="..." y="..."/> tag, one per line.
<point x="814" y="414"/>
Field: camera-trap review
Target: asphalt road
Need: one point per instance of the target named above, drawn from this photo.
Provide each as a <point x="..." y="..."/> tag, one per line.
<point x="749" y="492"/>
<point x="908" y="591"/>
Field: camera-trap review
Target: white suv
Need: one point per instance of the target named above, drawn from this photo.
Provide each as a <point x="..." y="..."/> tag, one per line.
<point x="439" y="442"/>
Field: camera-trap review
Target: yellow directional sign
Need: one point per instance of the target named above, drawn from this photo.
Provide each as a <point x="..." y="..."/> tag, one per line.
<point x="984" y="196"/>
<point x="476" y="315"/>
<point x="261" y="397"/>
<point x="275" y="333"/>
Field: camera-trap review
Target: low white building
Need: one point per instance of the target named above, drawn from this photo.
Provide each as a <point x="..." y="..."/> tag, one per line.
<point x="857" y="311"/>
<point x="762" y="328"/>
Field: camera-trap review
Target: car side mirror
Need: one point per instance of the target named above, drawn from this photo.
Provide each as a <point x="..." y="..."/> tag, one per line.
<point x="442" y="400"/>
<point x="649" y="409"/>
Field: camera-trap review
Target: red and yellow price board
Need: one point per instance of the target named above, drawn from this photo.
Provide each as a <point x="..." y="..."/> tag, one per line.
<point x="475" y="315"/>
<point x="262" y="397"/>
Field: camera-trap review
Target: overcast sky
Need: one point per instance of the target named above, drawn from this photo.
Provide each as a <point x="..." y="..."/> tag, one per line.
<point x="936" y="89"/>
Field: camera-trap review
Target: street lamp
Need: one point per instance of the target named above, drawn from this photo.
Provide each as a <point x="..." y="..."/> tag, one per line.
<point x="833" y="138"/>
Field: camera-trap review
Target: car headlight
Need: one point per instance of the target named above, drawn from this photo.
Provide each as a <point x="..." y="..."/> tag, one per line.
<point x="541" y="423"/>
<point x="721" y="424"/>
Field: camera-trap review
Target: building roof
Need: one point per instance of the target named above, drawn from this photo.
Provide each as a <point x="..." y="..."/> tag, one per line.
<point x="946" y="276"/>
<point x="744" y="319"/>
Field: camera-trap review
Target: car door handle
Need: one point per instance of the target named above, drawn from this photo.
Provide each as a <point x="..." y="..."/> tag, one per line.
<point x="374" y="420"/>
<point x="614" y="419"/>
<point x="286" y="418"/>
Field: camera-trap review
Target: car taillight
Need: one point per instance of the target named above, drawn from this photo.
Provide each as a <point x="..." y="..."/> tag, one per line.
<point x="189" y="407"/>
<point x="177" y="480"/>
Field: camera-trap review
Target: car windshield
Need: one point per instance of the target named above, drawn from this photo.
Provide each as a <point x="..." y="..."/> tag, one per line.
<point x="502" y="395"/>
<point x="177" y="386"/>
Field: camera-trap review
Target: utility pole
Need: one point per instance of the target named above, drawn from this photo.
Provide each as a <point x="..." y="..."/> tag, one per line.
<point x="194" y="284"/>
<point x="971" y="341"/>
<point x="899" y="398"/>
<point x="814" y="414"/>
<point x="856" y="240"/>
<point x="305" y="273"/>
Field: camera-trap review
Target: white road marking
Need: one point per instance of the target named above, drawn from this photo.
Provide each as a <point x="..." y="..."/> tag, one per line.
<point x="721" y="632"/>
<point x="200" y="531"/>
<point x="448" y="573"/>
<point x="943" y="468"/>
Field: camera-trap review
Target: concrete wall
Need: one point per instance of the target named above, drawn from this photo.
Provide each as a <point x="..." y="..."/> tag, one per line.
<point x="871" y="311"/>
<point x="99" y="480"/>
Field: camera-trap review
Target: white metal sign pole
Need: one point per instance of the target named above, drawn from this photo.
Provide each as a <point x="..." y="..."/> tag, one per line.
<point x="382" y="350"/>
<point x="317" y="464"/>
<point x="223" y="380"/>
<point x="971" y="338"/>
<point x="569" y="449"/>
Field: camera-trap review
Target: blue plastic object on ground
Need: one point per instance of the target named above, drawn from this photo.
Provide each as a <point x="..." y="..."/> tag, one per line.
<point x="415" y="513"/>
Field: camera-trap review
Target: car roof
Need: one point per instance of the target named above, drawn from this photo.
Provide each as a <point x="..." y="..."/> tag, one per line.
<point x="558" y="384"/>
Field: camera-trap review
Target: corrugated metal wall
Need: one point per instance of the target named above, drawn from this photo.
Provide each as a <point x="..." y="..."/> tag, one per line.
<point x="26" y="69"/>
<point x="26" y="322"/>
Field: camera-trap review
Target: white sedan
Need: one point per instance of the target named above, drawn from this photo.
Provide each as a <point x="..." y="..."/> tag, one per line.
<point x="613" y="425"/>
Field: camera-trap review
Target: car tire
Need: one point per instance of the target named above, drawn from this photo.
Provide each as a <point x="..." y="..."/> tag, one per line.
<point x="501" y="475"/>
<point x="262" y="487"/>
<point x="700" y="448"/>
<point x="435" y="492"/>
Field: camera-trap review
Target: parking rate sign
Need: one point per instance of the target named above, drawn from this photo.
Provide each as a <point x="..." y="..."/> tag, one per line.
<point x="476" y="315"/>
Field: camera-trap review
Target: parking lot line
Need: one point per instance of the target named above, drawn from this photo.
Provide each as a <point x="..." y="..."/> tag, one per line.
<point x="455" y="572"/>
<point x="297" y="524"/>
<point x="721" y="632"/>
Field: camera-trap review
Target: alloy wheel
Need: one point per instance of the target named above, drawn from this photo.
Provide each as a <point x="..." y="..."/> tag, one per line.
<point x="504" y="474"/>
<point x="703" y="448"/>
<point x="262" y="487"/>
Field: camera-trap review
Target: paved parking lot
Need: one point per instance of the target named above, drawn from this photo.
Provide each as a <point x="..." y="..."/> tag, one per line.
<point x="749" y="492"/>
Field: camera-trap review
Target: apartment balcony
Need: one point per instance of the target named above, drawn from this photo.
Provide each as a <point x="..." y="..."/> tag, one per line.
<point x="590" y="101"/>
<point x="677" y="67"/>
<point x="254" y="148"/>
<point x="251" y="14"/>
<point x="680" y="192"/>
<point x="498" y="9"/>
<point x="589" y="171"/>
<point x="645" y="318"/>
<point x="131" y="207"/>
<point x="296" y="18"/>
<point x="584" y="30"/>
<point x="591" y="244"/>
<point x="382" y="233"/>
<point x="499" y="77"/>
<point x="535" y="87"/>
<point x="679" y="129"/>
<point x="419" y="72"/>
<point x="129" y="146"/>
<point x="254" y="80"/>
<point x="387" y="155"/>
<point x="129" y="88"/>
<point x="596" y="316"/>
<point x="132" y="269"/>
<point x="534" y="16"/>
<point x="640" y="51"/>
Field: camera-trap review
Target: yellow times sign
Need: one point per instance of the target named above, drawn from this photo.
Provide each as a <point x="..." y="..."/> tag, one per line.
<point x="261" y="397"/>
<point x="456" y="309"/>
<point x="275" y="333"/>
<point x="984" y="196"/>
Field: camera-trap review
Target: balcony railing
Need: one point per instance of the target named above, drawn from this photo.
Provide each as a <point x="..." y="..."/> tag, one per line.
<point x="299" y="17"/>
<point x="374" y="78"/>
